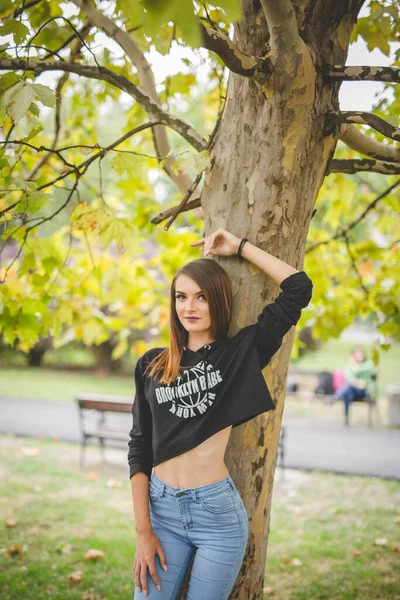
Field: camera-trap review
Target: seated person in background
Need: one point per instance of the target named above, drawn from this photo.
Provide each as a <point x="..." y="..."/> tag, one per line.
<point x="359" y="377"/>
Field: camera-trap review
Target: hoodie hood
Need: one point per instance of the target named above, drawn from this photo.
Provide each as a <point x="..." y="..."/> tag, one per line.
<point x="208" y="347"/>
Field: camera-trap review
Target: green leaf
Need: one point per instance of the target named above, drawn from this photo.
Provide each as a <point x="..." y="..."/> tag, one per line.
<point x="7" y="80"/>
<point x="180" y="12"/>
<point x="120" y="349"/>
<point x="86" y="218"/>
<point x="93" y="332"/>
<point x="17" y="100"/>
<point x="27" y="263"/>
<point x="232" y="8"/>
<point x="128" y="163"/>
<point x="5" y="7"/>
<point x="49" y="264"/>
<point x="44" y="94"/>
<point x="32" y="202"/>
<point x="34" y="109"/>
<point x="32" y="133"/>
<point x="181" y="83"/>
<point x="131" y="10"/>
<point x="18" y="30"/>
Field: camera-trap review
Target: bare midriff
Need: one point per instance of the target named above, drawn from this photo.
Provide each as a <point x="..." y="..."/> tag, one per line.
<point x="201" y="465"/>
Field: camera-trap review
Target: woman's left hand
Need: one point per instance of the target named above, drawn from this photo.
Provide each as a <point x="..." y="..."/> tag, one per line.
<point x="219" y="243"/>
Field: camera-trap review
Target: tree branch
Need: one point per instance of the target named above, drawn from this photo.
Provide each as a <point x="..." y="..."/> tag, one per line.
<point x="282" y="23"/>
<point x="364" y="118"/>
<point x="354" y="264"/>
<point x="146" y="79"/>
<point x="365" y="73"/>
<point x="178" y="209"/>
<point x="75" y="50"/>
<point x="103" y="74"/>
<point x="352" y="166"/>
<point x="233" y="58"/>
<point x="192" y="204"/>
<point x="356" y="140"/>
<point x="344" y="232"/>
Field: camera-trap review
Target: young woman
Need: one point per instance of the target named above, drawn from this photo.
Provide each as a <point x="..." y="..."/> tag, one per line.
<point x="188" y="397"/>
<point x="360" y="376"/>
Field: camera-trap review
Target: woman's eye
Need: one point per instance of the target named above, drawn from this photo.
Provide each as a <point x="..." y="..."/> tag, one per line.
<point x="179" y="296"/>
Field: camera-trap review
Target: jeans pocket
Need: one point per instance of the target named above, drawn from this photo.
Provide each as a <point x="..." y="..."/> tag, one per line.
<point x="154" y="493"/>
<point x="243" y="509"/>
<point x="218" y="503"/>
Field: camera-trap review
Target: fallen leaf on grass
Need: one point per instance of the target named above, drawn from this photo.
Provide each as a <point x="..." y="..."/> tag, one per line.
<point x="14" y="550"/>
<point x="64" y="548"/>
<point x="30" y="451"/>
<point x="85" y="533"/>
<point x="92" y="595"/>
<point x="92" y="476"/>
<point x="380" y="542"/>
<point x="10" y="522"/>
<point x="286" y="559"/>
<point x="384" y="574"/>
<point x="112" y="483"/>
<point x="396" y="548"/>
<point x="93" y="554"/>
<point x="356" y="552"/>
<point x="296" y="562"/>
<point x="268" y="590"/>
<point x="76" y="576"/>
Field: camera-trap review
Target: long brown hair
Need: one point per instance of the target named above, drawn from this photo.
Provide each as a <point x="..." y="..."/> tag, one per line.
<point x="213" y="280"/>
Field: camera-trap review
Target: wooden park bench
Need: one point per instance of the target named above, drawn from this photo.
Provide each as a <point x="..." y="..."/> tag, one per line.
<point x="98" y="405"/>
<point x="307" y="381"/>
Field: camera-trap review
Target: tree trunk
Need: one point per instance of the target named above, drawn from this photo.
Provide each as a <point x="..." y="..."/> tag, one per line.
<point x="271" y="152"/>
<point x="36" y="354"/>
<point x="103" y="354"/>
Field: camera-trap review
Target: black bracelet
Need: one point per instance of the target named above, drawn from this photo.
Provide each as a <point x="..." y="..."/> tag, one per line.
<point x="242" y="243"/>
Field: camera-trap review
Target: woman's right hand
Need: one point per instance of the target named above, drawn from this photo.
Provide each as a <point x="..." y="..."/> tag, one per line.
<point x="219" y="243"/>
<point x="147" y="546"/>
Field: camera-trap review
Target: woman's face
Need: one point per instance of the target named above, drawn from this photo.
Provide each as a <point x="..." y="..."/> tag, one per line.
<point x="359" y="355"/>
<point x="190" y="301"/>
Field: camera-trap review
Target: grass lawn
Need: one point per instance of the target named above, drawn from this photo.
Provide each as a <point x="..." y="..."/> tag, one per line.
<point x="58" y="385"/>
<point x="322" y="542"/>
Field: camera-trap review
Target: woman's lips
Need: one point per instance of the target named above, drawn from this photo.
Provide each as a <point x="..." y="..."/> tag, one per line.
<point x="192" y="318"/>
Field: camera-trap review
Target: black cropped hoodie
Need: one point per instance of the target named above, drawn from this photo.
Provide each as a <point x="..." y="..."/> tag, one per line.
<point x="222" y="384"/>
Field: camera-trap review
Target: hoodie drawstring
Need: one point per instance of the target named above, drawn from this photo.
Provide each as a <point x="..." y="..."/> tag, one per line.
<point x="206" y="347"/>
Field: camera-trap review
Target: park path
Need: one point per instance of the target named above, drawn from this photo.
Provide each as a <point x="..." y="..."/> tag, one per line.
<point x="310" y="445"/>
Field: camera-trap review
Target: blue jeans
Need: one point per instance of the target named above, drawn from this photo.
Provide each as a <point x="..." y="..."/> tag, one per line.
<point x="209" y="520"/>
<point x="348" y="392"/>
